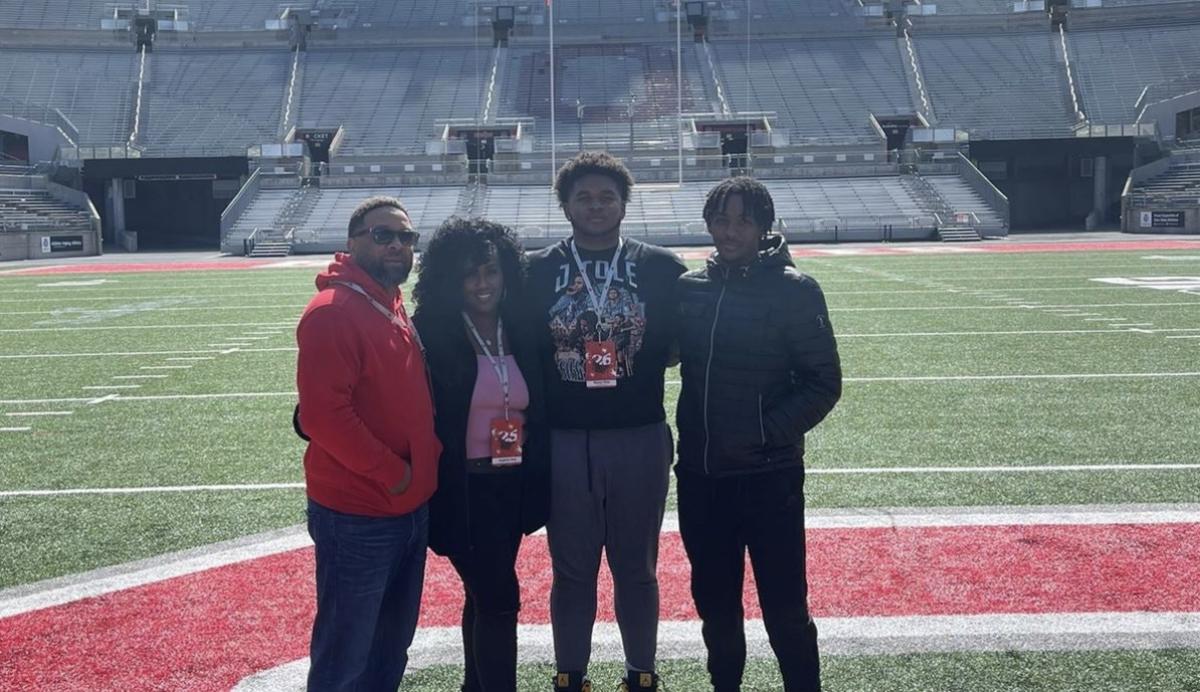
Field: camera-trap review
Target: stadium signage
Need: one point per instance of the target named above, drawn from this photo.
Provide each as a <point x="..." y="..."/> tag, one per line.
<point x="62" y="243"/>
<point x="1161" y="219"/>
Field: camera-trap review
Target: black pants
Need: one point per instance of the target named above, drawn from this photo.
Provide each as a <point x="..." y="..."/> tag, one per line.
<point x="489" y="575"/>
<point x="719" y="520"/>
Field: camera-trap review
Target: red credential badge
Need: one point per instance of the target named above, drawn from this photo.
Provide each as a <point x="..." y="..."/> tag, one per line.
<point x="600" y="368"/>
<point x="507" y="439"/>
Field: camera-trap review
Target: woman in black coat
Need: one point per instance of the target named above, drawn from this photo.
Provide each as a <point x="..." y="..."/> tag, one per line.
<point x="487" y="390"/>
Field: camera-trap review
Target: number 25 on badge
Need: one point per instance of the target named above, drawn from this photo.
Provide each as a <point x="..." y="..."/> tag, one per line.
<point x="506" y="442"/>
<point x="600" y="366"/>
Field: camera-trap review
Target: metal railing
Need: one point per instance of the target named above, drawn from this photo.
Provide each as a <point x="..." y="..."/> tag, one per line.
<point x="137" y="103"/>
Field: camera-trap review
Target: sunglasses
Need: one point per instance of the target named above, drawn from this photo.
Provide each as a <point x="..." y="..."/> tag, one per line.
<point x="385" y="236"/>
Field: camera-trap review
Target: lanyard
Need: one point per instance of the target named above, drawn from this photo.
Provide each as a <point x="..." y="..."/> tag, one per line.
<point x="612" y="271"/>
<point x="499" y="365"/>
<point x="405" y="323"/>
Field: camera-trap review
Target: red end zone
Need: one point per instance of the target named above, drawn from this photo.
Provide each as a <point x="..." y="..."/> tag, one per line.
<point x="208" y="630"/>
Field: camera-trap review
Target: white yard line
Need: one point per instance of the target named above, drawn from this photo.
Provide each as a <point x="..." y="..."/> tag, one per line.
<point x="31" y="414"/>
<point x="1032" y="468"/>
<point x="113" y="386"/>
<point x="842" y="636"/>
<point x="1047" y="308"/>
<point x="14" y="429"/>
<point x="121" y="312"/>
<point x="191" y="358"/>
<point x="98" y="354"/>
<point x="166" y="367"/>
<point x="1073" y="376"/>
<point x="1015" y="332"/>
<point x="141" y="327"/>
<point x="142" y="490"/>
<point x="140" y="377"/>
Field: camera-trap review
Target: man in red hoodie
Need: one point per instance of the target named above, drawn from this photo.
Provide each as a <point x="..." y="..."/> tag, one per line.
<point x="371" y="463"/>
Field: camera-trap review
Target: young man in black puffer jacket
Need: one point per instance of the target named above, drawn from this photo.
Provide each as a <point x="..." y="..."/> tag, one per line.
<point x="760" y="368"/>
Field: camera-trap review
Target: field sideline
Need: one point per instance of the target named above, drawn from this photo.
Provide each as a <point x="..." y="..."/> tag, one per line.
<point x="1004" y="498"/>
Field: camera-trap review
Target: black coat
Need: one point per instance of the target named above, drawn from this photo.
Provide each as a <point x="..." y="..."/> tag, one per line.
<point x="759" y="364"/>
<point x="454" y="368"/>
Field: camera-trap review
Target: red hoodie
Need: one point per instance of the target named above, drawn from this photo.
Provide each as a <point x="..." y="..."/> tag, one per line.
<point x="364" y="399"/>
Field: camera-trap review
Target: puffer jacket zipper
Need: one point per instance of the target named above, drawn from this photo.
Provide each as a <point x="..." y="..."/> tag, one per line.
<point x="712" y="340"/>
<point x="762" y="428"/>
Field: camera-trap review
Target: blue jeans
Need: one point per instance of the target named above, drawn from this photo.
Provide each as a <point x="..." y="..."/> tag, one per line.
<point x="370" y="571"/>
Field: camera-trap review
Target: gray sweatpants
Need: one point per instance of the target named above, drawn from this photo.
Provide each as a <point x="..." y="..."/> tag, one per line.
<point x="608" y="489"/>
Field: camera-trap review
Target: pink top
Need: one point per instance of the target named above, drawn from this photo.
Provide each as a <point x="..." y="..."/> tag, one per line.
<point x="487" y="403"/>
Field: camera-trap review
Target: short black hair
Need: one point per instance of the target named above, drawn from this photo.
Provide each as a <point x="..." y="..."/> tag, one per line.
<point x="592" y="163"/>
<point x="458" y="246"/>
<point x="369" y="205"/>
<point x="756" y="200"/>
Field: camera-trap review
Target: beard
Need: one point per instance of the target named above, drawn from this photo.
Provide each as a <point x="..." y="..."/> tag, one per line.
<point x="388" y="274"/>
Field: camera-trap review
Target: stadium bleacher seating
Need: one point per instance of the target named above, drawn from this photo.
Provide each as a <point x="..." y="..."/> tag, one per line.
<point x="1113" y="67"/>
<point x="1180" y="183"/>
<point x="961" y="198"/>
<point x="202" y="98"/>
<point x="603" y="79"/>
<point x="94" y="89"/>
<point x="390" y="100"/>
<point x="820" y="88"/>
<point x="996" y="85"/>
<point x="775" y="10"/>
<point x="36" y="210"/>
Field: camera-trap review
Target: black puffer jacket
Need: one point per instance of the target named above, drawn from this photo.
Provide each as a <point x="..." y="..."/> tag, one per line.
<point x="759" y="363"/>
<point x="453" y="368"/>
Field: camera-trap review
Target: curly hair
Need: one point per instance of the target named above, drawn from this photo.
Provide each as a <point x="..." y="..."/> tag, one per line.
<point x="458" y="247"/>
<point x="756" y="200"/>
<point x="592" y="163"/>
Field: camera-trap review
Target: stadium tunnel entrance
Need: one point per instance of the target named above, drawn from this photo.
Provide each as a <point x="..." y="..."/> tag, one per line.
<point x="163" y="204"/>
<point x="1056" y="184"/>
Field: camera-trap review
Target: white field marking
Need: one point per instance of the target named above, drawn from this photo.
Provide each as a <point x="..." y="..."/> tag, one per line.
<point x="1173" y="258"/>
<point x="233" y="349"/>
<point x="143" y="490"/>
<point x="60" y="590"/>
<point x="139" y="377"/>
<point x="1038" y="332"/>
<point x="113" y="386"/>
<point x="21" y="429"/>
<point x="1061" y="376"/>
<point x="1191" y="304"/>
<point x="988" y="378"/>
<point x="101" y="400"/>
<point x="44" y="297"/>
<point x="190" y="358"/>
<point x="245" y="337"/>
<point x="23" y="356"/>
<point x="78" y="283"/>
<point x="54" y="592"/>
<point x="123" y="312"/>
<point x="844" y="636"/>
<point x="231" y="344"/>
<point x="24" y="414"/>
<point x="1185" y="336"/>
<point x="130" y="327"/>
<point x="1097" y="319"/>
<point x="1040" y="468"/>
<point x="166" y="367"/>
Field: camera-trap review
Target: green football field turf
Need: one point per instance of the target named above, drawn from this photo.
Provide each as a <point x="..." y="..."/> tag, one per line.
<point x="1085" y="671"/>
<point x="967" y="361"/>
<point x="973" y="363"/>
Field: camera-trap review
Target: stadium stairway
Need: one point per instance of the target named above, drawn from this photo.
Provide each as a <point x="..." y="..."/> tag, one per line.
<point x="270" y="243"/>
